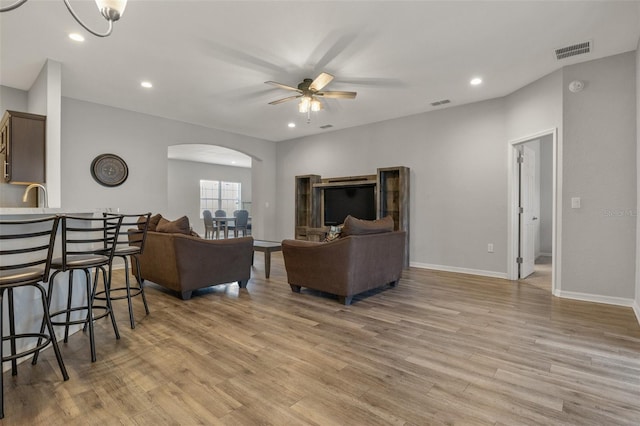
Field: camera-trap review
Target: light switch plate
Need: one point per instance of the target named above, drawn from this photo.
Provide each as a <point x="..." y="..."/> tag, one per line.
<point x="575" y="202"/>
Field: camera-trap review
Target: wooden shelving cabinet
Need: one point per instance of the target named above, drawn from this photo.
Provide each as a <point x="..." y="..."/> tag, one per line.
<point x="393" y="199"/>
<point x="22" y="147"/>
<point x="308" y="202"/>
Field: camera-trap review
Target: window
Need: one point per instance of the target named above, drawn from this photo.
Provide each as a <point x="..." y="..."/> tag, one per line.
<point x="220" y="195"/>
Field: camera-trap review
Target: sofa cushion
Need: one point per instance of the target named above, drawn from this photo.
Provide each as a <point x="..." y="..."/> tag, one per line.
<point x="178" y="226"/>
<point x="153" y="222"/>
<point x="354" y="226"/>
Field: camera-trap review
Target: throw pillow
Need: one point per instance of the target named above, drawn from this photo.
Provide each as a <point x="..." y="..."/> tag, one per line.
<point x="334" y="233"/>
<point x="153" y="222"/>
<point x="354" y="226"/>
<point x="179" y="226"/>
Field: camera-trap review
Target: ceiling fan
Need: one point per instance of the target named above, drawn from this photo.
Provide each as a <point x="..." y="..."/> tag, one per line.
<point x="309" y="92"/>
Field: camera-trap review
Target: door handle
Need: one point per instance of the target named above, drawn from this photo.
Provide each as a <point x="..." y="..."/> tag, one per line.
<point x="534" y="218"/>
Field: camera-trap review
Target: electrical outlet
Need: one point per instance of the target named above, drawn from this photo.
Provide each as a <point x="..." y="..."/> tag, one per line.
<point x="490" y="247"/>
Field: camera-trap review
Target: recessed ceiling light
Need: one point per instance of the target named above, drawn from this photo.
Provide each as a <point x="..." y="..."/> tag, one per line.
<point x="475" y="81"/>
<point x="76" y="37"/>
<point x="291" y="125"/>
<point x="146" y="84"/>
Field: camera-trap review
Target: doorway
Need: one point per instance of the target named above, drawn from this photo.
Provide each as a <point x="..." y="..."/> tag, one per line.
<point x="533" y="210"/>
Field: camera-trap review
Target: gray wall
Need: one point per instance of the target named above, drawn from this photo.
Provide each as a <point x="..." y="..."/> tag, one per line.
<point x="458" y="179"/>
<point x="458" y="160"/>
<point x="184" y="187"/>
<point x="599" y="239"/>
<point x="90" y="129"/>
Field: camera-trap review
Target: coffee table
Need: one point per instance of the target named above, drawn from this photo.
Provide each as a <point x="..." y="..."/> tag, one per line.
<point x="267" y="247"/>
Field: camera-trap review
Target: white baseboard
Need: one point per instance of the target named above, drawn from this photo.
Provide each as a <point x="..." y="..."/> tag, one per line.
<point x="597" y="298"/>
<point x="491" y="274"/>
<point x="636" y="309"/>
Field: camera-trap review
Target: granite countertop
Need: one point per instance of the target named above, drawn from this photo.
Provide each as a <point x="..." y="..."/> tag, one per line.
<point x="26" y="211"/>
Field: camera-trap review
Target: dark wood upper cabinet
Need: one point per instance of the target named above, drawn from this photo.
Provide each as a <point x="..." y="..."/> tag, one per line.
<point x="23" y="147"/>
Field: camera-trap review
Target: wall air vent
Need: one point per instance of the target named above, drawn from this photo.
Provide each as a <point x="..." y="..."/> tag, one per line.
<point x="442" y="102"/>
<point x="573" y="50"/>
<point x="326" y="126"/>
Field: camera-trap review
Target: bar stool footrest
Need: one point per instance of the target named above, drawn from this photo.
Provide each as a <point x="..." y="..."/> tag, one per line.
<point x="79" y="321"/>
<point x="135" y="291"/>
<point x="45" y="343"/>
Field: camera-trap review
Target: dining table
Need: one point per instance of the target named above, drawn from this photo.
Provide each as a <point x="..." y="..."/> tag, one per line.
<point x="224" y="223"/>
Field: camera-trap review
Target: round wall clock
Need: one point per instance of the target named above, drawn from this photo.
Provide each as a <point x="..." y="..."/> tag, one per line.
<point x="109" y="170"/>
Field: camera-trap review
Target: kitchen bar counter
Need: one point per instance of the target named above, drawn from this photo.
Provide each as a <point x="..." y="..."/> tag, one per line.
<point x="30" y="211"/>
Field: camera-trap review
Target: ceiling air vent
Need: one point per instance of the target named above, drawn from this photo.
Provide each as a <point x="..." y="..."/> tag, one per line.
<point x="573" y="50"/>
<point x="442" y="102"/>
<point x="326" y="126"/>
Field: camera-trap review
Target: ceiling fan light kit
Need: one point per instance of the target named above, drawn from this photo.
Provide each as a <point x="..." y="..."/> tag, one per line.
<point x="111" y="10"/>
<point x="309" y="92"/>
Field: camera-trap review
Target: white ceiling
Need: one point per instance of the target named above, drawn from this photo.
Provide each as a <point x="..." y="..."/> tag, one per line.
<point x="208" y="60"/>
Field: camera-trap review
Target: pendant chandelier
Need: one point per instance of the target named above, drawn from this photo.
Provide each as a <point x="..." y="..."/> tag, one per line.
<point x="111" y="10"/>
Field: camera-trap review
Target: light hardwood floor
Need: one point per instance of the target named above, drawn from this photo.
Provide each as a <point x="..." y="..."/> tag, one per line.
<point x="440" y="348"/>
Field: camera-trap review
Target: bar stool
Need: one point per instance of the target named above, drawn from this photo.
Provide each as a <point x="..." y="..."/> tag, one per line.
<point x="87" y="243"/>
<point x="25" y="260"/>
<point x="130" y="244"/>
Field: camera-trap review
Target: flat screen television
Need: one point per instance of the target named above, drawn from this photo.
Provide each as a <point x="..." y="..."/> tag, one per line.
<point x="357" y="201"/>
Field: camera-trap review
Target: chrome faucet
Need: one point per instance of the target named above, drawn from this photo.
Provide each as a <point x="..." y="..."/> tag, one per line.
<point x="36" y="185"/>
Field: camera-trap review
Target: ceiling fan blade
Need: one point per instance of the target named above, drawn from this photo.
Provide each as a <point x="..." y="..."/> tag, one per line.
<point x="283" y="86"/>
<point x="279" y="101"/>
<point x="337" y="95"/>
<point x="322" y="80"/>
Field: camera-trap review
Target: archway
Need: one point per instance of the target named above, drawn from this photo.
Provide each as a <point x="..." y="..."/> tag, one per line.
<point x="189" y="164"/>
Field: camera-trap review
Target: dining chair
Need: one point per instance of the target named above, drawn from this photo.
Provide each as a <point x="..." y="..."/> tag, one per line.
<point x="25" y="260"/>
<point x="222" y="224"/>
<point x="241" y="223"/>
<point x="87" y="243"/>
<point x="209" y="226"/>
<point x="130" y="243"/>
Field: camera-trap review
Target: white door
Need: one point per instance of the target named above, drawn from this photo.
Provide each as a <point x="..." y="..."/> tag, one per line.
<point x="527" y="218"/>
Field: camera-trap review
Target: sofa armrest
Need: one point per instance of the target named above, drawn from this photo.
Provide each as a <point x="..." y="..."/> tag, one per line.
<point x="318" y="265"/>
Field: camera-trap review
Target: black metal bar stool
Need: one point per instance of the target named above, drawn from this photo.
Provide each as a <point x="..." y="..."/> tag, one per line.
<point x="25" y="258"/>
<point x="129" y="244"/>
<point x="87" y="243"/>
